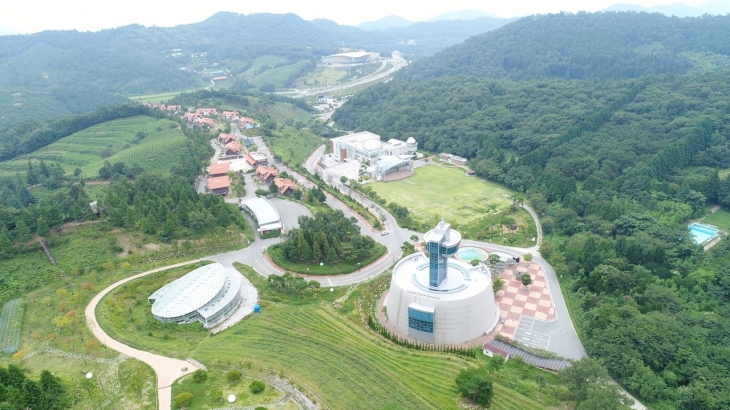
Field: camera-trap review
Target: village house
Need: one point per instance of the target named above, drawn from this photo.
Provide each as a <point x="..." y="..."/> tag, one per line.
<point x="191" y="117"/>
<point x="233" y="148"/>
<point x="267" y="174"/>
<point x="219" y="185"/>
<point x="219" y="169"/>
<point x="174" y="108"/>
<point x="286" y="187"/>
<point x="205" y="123"/>
<point x="246" y="122"/>
<point x="207" y="112"/>
<point x="254" y="158"/>
<point x="226" y="138"/>
<point x="230" y="115"/>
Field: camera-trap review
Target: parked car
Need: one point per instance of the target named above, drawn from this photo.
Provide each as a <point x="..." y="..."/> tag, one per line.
<point x="384" y="233"/>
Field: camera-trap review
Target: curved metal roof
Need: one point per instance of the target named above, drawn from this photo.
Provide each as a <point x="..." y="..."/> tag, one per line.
<point x="190" y="292"/>
<point x="390" y="161"/>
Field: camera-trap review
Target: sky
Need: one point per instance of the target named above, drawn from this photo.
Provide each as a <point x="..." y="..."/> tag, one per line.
<point x="28" y="16"/>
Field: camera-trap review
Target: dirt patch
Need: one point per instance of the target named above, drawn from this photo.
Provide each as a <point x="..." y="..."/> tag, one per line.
<point x="152" y="246"/>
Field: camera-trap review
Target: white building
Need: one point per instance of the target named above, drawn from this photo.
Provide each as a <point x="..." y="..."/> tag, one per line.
<point x="439" y="299"/>
<point x="366" y="147"/>
<point x="266" y="214"/>
<point x="351" y="58"/>
<point x="207" y="295"/>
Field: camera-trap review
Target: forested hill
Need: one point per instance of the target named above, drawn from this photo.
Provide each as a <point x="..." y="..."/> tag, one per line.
<point x="586" y="46"/>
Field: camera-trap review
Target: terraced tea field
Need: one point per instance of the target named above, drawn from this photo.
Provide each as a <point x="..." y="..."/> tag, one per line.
<point x="114" y="140"/>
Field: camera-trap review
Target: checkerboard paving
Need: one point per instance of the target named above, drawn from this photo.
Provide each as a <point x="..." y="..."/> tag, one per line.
<point x="515" y="300"/>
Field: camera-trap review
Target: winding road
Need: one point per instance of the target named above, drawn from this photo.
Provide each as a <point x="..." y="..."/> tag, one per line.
<point x="567" y="343"/>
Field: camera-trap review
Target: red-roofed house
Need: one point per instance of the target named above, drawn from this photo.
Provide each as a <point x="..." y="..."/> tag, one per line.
<point x="207" y="112"/>
<point x="174" y="108"/>
<point x="245" y="120"/>
<point x="286" y="186"/>
<point x="206" y="122"/>
<point x="219" y="185"/>
<point x="219" y="169"/>
<point x="254" y="158"/>
<point x="226" y="138"/>
<point x="233" y="148"/>
<point x="267" y="174"/>
<point x="191" y="117"/>
<point x="230" y="115"/>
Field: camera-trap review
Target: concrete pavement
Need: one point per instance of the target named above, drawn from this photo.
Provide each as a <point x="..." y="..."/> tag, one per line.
<point x="166" y="369"/>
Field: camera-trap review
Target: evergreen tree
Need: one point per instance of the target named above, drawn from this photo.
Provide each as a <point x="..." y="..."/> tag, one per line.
<point x="22" y="232"/>
<point x="43" y="230"/>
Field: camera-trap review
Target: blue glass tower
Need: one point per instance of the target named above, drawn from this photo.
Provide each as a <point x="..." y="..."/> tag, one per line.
<point x="441" y="242"/>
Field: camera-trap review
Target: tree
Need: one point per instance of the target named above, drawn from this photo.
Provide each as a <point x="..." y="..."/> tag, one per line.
<point x="527" y="257"/>
<point x="261" y="192"/>
<point x="493" y="259"/>
<point x="233" y="376"/>
<point x="414" y="238"/>
<point x="297" y="194"/>
<point x="408" y="248"/>
<point x="6" y="247"/>
<point x="183" y="399"/>
<point x="526" y="279"/>
<point x="54" y="396"/>
<point x="200" y="376"/>
<point x="495" y="363"/>
<point x="216" y="395"/>
<point x="22" y="232"/>
<point x="256" y="386"/>
<point x="475" y="385"/>
<point x="273" y="189"/>
<point x="43" y="230"/>
<point x="497" y="284"/>
<point x="343" y="179"/>
<point x="314" y="285"/>
<point x="475" y="262"/>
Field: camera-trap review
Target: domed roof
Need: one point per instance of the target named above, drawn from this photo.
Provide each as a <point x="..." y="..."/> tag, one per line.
<point x="372" y="145"/>
<point x="411" y="140"/>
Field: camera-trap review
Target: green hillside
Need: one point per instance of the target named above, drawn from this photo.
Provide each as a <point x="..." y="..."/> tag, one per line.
<point x="113" y="141"/>
<point x="584" y="46"/>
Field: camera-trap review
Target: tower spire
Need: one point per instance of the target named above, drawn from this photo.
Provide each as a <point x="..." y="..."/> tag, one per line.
<point x="442" y="213"/>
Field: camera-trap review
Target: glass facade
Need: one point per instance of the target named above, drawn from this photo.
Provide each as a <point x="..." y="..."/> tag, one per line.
<point x="421" y="321"/>
<point x="437" y="264"/>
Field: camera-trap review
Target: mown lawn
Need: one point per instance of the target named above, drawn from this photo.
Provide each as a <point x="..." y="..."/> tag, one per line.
<point x="292" y="145"/>
<point x="114" y="141"/>
<point x="719" y="218"/>
<point x="464" y="199"/>
<point x="327" y="268"/>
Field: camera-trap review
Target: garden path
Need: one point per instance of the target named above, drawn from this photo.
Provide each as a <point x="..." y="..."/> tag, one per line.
<point x="166" y="369"/>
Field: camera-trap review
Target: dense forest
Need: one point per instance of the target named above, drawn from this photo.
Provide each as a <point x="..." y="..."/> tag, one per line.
<point x="614" y="167"/>
<point x="586" y="46"/>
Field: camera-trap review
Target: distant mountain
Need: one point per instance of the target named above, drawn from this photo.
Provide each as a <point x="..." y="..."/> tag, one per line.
<point x="426" y="38"/>
<point x="718" y="7"/>
<point x="384" y="23"/>
<point x="584" y="46"/>
<point x="468" y="14"/>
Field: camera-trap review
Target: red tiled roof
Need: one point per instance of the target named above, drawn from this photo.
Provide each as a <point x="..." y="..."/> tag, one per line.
<point x="250" y="160"/>
<point x="284" y="185"/>
<point x="206" y="121"/>
<point x="225" y="138"/>
<point x="219" y="168"/>
<point x="244" y="120"/>
<point x="233" y="146"/>
<point x="265" y="172"/>
<point x="219" y="182"/>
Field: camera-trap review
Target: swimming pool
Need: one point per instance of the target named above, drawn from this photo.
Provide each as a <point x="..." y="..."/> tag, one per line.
<point x="702" y="233"/>
<point x="468" y="254"/>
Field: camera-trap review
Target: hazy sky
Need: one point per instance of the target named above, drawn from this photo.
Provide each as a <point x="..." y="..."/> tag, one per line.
<point x="38" y="15"/>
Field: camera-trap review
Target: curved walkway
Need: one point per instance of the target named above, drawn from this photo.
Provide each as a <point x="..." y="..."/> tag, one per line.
<point x="166" y="369"/>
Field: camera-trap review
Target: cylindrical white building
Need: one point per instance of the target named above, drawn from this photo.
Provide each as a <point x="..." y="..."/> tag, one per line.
<point x="441" y="300"/>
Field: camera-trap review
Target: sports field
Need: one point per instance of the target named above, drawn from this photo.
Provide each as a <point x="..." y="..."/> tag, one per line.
<point x="114" y="141"/>
<point x="433" y="188"/>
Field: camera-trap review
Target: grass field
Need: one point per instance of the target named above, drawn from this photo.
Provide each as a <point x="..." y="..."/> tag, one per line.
<point x="157" y="98"/>
<point x="464" y="199"/>
<point x="720" y="219"/>
<point x="320" y="348"/>
<point x="321" y="76"/>
<point x="217" y="380"/>
<point x="314" y="268"/>
<point x="87" y="149"/>
<point x="292" y="145"/>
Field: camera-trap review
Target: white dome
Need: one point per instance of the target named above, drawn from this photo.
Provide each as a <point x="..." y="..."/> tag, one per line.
<point x="411" y="140"/>
<point x="372" y="145"/>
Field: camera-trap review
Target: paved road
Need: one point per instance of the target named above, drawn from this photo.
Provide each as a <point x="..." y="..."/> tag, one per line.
<point x="167" y="369"/>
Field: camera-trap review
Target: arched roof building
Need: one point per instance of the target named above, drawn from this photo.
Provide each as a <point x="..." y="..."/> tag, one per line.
<point x="207" y="295"/>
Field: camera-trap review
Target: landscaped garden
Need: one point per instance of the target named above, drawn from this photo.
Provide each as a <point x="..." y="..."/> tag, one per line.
<point x="327" y="244"/>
